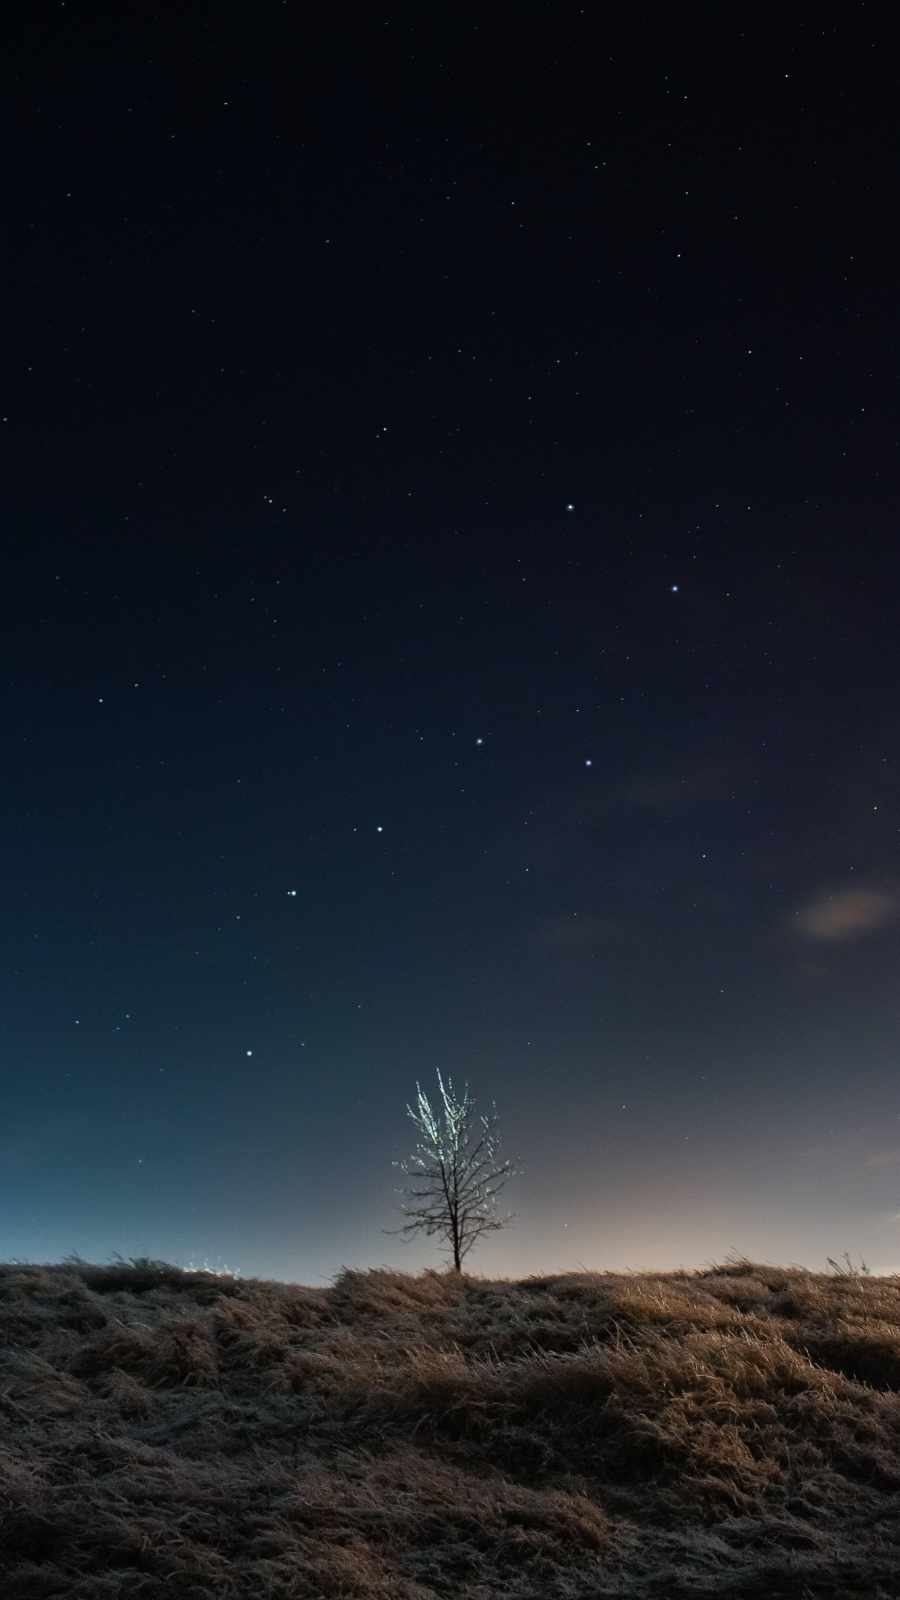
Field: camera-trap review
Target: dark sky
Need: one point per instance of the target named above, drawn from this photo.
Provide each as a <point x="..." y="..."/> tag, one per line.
<point x="450" y="600"/>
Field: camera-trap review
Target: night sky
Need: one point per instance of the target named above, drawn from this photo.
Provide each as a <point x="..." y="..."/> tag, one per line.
<point x="450" y="620"/>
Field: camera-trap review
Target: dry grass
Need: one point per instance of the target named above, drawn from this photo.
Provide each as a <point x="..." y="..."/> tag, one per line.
<point x="734" y="1432"/>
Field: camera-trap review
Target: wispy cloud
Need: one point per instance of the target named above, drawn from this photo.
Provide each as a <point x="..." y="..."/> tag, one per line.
<point x="883" y="1158"/>
<point x="674" y="791"/>
<point x="845" y="913"/>
<point x="577" y="933"/>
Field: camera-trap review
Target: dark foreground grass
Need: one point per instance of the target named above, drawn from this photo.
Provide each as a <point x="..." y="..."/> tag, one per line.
<point x="732" y="1432"/>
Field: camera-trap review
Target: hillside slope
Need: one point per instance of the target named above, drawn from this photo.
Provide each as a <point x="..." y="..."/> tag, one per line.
<point x="734" y="1432"/>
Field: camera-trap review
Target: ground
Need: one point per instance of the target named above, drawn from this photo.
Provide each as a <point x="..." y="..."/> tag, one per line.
<point x="732" y="1432"/>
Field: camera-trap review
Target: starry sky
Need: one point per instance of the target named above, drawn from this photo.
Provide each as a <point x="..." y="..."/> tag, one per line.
<point x="449" y="621"/>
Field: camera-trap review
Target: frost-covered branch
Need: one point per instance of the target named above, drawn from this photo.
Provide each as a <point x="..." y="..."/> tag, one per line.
<point x="455" y="1172"/>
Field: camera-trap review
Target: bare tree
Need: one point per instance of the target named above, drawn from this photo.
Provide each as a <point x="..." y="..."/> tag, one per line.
<point x="455" y="1173"/>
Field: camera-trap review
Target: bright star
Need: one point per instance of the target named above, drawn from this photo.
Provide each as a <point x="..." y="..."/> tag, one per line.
<point x="674" y="588"/>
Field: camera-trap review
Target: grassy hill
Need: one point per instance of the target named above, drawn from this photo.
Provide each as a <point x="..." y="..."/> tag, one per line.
<point x="731" y="1432"/>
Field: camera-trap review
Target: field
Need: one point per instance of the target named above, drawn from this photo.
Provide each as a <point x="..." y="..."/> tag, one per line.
<point x="730" y="1432"/>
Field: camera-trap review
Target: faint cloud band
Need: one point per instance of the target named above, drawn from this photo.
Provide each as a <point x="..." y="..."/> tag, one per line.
<point x="846" y="913"/>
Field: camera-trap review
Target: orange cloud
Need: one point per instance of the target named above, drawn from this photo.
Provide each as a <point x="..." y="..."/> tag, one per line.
<point x="846" y="913"/>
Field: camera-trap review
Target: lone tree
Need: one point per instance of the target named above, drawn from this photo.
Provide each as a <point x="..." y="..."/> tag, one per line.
<point x="455" y="1173"/>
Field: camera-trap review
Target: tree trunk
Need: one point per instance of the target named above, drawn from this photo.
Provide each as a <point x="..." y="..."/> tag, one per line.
<point x="456" y="1241"/>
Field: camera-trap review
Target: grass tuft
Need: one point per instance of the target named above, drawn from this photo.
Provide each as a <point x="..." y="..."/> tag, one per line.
<point x="581" y="1436"/>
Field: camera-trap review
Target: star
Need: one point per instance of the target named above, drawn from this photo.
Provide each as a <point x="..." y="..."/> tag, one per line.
<point x="379" y="828"/>
<point x="674" y="588"/>
<point x="570" y="506"/>
<point x="248" y="1052"/>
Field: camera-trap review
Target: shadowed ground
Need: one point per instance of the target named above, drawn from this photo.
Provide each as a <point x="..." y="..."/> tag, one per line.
<point x="732" y="1432"/>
